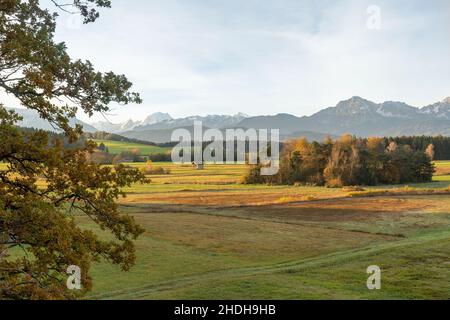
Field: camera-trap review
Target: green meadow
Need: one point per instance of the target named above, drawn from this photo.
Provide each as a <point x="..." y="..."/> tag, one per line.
<point x="116" y="147"/>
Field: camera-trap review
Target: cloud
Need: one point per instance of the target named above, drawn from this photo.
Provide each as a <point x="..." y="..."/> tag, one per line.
<point x="264" y="57"/>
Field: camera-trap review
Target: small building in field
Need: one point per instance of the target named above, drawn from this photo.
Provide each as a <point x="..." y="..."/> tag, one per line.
<point x="198" y="165"/>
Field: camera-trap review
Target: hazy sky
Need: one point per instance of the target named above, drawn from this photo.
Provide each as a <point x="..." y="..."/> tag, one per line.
<point x="264" y="56"/>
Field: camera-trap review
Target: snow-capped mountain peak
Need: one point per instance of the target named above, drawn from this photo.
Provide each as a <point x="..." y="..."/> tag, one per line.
<point x="356" y="105"/>
<point x="130" y="124"/>
<point x="161" y="120"/>
<point x="439" y="110"/>
<point x="397" y="109"/>
<point x="156" y="118"/>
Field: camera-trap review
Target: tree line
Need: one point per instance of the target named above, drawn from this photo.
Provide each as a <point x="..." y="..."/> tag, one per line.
<point x="349" y="161"/>
<point x="441" y="144"/>
<point x="101" y="155"/>
<point x="102" y="135"/>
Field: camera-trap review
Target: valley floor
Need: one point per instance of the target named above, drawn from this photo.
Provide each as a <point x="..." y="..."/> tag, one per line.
<point x="208" y="237"/>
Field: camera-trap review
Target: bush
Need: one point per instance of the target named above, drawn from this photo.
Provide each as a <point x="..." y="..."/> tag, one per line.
<point x="160" y="157"/>
<point x="334" y="183"/>
<point x="149" y="169"/>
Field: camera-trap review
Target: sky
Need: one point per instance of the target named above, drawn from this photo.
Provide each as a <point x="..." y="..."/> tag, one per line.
<point x="189" y="57"/>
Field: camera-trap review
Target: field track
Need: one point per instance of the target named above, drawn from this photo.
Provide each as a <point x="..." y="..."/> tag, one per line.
<point x="296" y="265"/>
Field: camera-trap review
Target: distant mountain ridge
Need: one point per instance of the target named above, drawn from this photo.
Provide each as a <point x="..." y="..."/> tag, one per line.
<point x="364" y="118"/>
<point x="31" y="119"/>
<point x="210" y="121"/>
<point x="163" y="121"/>
<point x="356" y="116"/>
<point x="130" y="124"/>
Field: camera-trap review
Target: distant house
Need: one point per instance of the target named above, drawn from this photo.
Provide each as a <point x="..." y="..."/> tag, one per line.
<point x="198" y="166"/>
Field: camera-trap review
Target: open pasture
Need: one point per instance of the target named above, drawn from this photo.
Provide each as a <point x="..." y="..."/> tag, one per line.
<point x="209" y="237"/>
<point x="116" y="147"/>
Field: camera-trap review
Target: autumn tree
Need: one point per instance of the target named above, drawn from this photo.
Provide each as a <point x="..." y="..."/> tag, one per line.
<point x="348" y="161"/>
<point x="39" y="234"/>
<point x="343" y="162"/>
<point x="430" y="151"/>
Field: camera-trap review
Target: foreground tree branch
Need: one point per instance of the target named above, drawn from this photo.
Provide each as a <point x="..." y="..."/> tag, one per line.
<point x="48" y="185"/>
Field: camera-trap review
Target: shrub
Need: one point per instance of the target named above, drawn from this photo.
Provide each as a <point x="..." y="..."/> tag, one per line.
<point x="334" y="183"/>
<point x="253" y="176"/>
<point x="149" y="169"/>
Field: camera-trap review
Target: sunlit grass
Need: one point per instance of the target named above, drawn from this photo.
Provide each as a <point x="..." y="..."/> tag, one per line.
<point x="444" y="163"/>
<point x="116" y="147"/>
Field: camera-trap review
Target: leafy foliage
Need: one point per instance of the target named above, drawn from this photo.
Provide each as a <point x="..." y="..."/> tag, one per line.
<point x="39" y="236"/>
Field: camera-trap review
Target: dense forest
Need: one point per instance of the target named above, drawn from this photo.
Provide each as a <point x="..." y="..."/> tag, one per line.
<point x="101" y="135"/>
<point x="417" y="143"/>
<point x="53" y="137"/>
<point x="420" y="143"/>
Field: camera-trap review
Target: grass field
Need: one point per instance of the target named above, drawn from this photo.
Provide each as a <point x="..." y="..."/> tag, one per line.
<point x="442" y="168"/>
<point x="209" y="237"/>
<point x="116" y="147"/>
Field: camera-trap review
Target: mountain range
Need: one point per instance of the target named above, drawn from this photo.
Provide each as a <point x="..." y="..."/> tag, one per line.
<point x="130" y="124"/>
<point x="364" y="118"/>
<point x="356" y="116"/>
<point x="162" y="121"/>
<point x="31" y="119"/>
